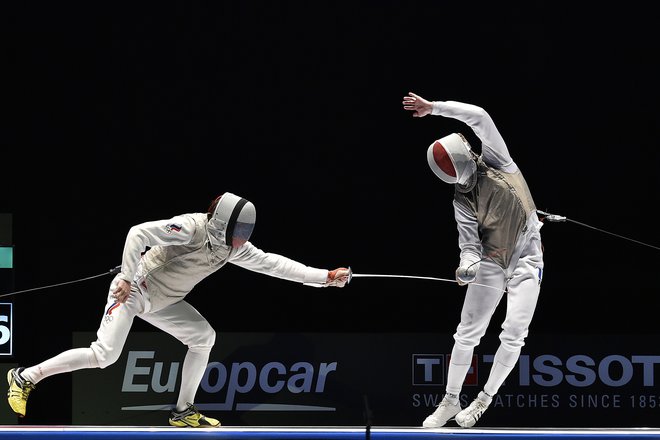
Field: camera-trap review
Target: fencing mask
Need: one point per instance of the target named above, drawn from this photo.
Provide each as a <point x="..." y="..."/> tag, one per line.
<point x="231" y="221"/>
<point x="451" y="160"/>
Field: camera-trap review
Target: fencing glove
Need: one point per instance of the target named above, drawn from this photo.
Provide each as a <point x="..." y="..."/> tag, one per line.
<point x="466" y="273"/>
<point x="338" y="277"/>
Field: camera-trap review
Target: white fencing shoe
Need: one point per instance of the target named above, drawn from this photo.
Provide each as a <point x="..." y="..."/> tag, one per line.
<point x="470" y="415"/>
<point x="442" y="414"/>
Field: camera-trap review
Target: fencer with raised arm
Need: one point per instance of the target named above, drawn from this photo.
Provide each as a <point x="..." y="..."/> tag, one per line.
<point x="500" y="246"/>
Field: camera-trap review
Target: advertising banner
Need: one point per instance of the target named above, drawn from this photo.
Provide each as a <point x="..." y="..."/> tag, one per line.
<point x="385" y="379"/>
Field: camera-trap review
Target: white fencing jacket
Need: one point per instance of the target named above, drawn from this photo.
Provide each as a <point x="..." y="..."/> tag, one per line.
<point x="178" y="256"/>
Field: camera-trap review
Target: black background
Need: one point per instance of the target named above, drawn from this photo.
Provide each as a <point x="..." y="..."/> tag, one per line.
<point x="118" y="113"/>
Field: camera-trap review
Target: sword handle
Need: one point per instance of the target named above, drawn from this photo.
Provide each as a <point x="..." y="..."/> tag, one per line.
<point x="350" y="277"/>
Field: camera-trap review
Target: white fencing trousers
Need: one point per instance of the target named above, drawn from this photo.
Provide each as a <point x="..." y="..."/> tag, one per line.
<point x="180" y="320"/>
<point x="522" y="291"/>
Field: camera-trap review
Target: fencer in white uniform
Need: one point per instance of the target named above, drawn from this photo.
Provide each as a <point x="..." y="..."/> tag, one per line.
<point x="500" y="246"/>
<point x="162" y="262"/>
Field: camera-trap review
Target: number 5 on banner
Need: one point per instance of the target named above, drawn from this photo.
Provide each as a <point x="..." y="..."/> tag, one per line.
<point x="5" y="329"/>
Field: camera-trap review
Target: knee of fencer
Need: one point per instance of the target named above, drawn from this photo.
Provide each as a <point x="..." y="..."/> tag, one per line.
<point x="465" y="341"/>
<point x="511" y="343"/>
<point x="513" y="333"/>
<point x="203" y="341"/>
<point x="105" y="356"/>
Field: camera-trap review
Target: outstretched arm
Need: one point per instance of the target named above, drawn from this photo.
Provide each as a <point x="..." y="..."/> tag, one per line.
<point x="493" y="147"/>
<point x="252" y="258"/>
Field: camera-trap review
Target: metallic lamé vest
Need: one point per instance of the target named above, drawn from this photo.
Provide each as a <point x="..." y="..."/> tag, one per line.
<point x="501" y="203"/>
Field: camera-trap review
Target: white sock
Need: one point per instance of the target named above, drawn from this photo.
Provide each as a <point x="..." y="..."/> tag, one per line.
<point x="194" y="366"/>
<point x="459" y="365"/>
<point x="485" y="397"/>
<point x="67" y="361"/>
<point x="503" y="363"/>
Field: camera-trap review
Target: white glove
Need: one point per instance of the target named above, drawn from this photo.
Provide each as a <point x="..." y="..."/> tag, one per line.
<point x="467" y="273"/>
<point x="338" y="277"/>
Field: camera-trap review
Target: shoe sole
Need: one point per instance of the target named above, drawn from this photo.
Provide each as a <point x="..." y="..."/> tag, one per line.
<point x="185" y="425"/>
<point x="429" y="425"/>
